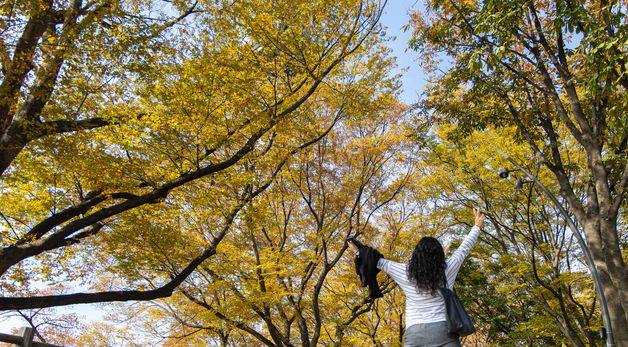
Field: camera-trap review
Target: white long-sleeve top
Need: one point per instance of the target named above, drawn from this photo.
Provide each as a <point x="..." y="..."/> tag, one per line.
<point x="421" y="306"/>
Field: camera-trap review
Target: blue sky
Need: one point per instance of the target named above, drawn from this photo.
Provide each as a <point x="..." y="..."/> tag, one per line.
<point x="394" y="18"/>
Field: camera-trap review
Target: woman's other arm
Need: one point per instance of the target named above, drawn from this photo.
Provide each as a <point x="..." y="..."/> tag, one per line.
<point x="454" y="262"/>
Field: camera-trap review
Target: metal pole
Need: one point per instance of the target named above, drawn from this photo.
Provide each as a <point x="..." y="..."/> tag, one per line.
<point x="606" y="319"/>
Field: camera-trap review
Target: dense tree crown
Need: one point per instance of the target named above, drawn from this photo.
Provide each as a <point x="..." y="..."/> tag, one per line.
<point x="556" y="71"/>
<point x="206" y="160"/>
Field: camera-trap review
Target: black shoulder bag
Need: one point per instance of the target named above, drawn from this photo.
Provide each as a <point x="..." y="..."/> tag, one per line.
<point x="458" y="321"/>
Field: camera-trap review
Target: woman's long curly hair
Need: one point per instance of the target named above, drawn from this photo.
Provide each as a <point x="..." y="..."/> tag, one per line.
<point x="427" y="265"/>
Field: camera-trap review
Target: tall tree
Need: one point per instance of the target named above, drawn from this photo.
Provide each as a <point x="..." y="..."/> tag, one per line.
<point x="208" y="104"/>
<point x="525" y="281"/>
<point x="557" y="71"/>
<point x="59" y="59"/>
<point x="282" y="277"/>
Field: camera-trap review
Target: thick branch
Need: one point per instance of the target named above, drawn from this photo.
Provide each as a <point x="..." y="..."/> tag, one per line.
<point x="56" y="219"/>
<point x="130" y="295"/>
<point x="11" y="255"/>
<point x="22" y="60"/>
<point x="66" y="126"/>
<point x="563" y="71"/>
<point x="621" y="188"/>
<point x="17" y="303"/>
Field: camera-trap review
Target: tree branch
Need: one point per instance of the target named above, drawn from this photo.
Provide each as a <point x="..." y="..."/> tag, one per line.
<point x="15" y="303"/>
<point x="66" y="126"/>
<point x="22" y="60"/>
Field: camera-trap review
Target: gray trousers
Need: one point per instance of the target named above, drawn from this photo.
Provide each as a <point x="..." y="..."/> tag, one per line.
<point x="430" y="335"/>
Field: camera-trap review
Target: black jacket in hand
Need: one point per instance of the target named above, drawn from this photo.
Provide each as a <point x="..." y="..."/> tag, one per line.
<point x="366" y="266"/>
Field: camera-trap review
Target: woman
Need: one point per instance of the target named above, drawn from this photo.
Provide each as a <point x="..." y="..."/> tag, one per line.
<point x="428" y="270"/>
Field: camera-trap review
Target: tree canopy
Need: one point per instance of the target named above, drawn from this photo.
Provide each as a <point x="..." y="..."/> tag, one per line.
<point x="556" y="71"/>
<point x="205" y="105"/>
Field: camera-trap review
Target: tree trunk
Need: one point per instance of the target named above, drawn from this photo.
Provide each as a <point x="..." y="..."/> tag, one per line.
<point x="616" y="311"/>
<point x="613" y="277"/>
<point x="11" y="144"/>
<point x="6" y="157"/>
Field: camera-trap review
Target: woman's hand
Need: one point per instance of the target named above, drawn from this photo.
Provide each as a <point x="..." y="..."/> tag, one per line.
<point x="479" y="217"/>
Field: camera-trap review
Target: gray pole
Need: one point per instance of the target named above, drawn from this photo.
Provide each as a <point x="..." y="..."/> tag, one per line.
<point x="606" y="319"/>
<point x="24" y="339"/>
<point x="27" y="336"/>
